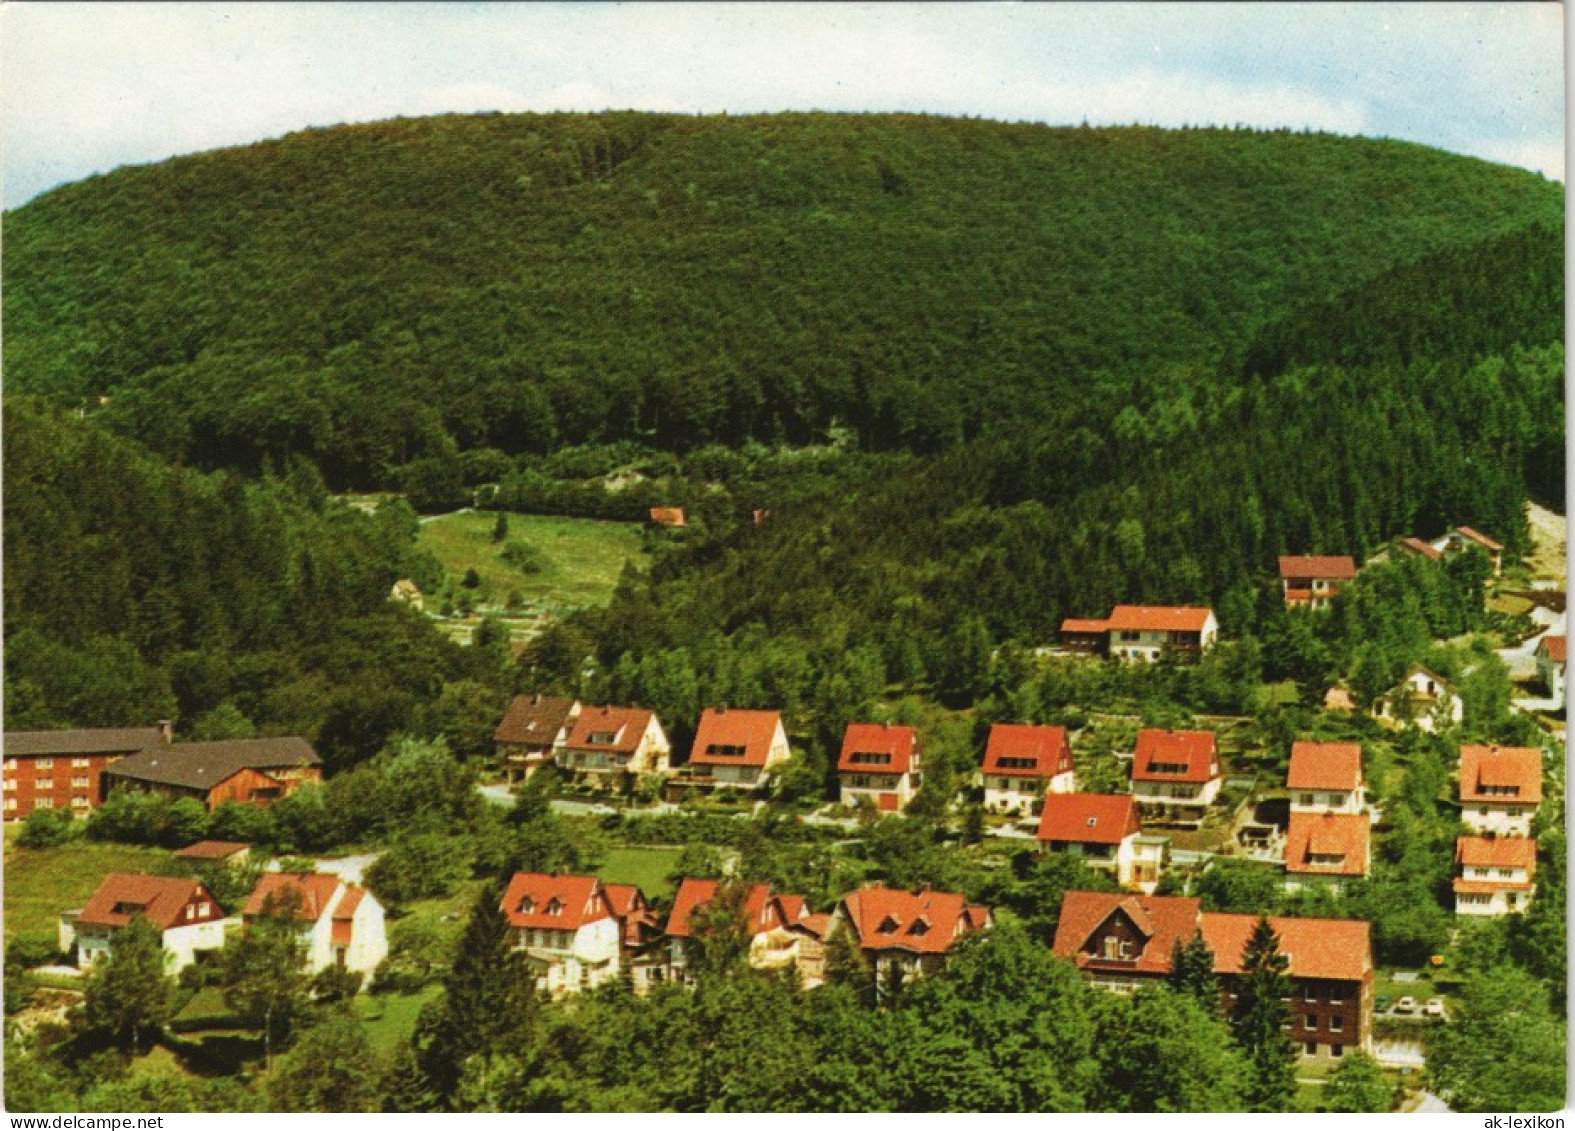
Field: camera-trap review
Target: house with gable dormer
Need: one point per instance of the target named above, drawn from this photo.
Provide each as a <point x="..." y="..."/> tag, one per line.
<point x="607" y="741"/>
<point x="187" y="916"/>
<point x="567" y="928"/>
<point x="1326" y="849"/>
<point x="1176" y="773"/>
<point x="738" y="749"/>
<point x="1103" y="830"/>
<point x="880" y="762"/>
<point x="1024" y="762"/>
<point x="1494" y="875"/>
<point x="1500" y="788"/>
<point x="906" y="934"/>
<point x="1326" y="777"/>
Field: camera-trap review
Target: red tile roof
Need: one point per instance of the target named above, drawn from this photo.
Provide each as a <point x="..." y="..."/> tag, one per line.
<point x="1026" y="751"/>
<point x="891" y="748"/>
<point x="1496" y="852"/>
<point x="211" y="850"/>
<point x="1158" y="618"/>
<point x="623" y="898"/>
<point x="1088" y="818"/>
<point x="534" y="719"/>
<point x="1162" y="920"/>
<point x="1084" y="625"/>
<point x="1340" y="568"/>
<point x="754" y="731"/>
<point x="667" y="516"/>
<point x="562" y="903"/>
<point x="1337" y="949"/>
<point x="1553" y="647"/>
<point x="1479" y="538"/>
<point x="614" y="729"/>
<point x="125" y="895"/>
<point x="1483" y="768"/>
<point x="1417" y="546"/>
<point x="760" y="914"/>
<point x="1325" y="765"/>
<point x="925" y="922"/>
<point x="1327" y="844"/>
<point x="312" y="890"/>
<point x="1193" y="751"/>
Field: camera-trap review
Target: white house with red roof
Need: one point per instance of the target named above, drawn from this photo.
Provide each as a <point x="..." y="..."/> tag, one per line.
<point x="1326" y="849"/>
<point x="341" y="923"/>
<point x="738" y="749"/>
<point x="1494" y="875"/>
<point x="1326" y="777"/>
<point x="1176" y="772"/>
<point x="881" y="763"/>
<point x="187" y="916"/>
<point x="1424" y="699"/>
<point x="567" y="928"/>
<point x="1022" y="763"/>
<point x="1461" y="539"/>
<point x="1312" y="582"/>
<point x="781" y="929"/>
<point x="906" y="933"/>
<point x="1103" y="829"/>
<point x="1145" y="632"/>
<point x="1500" y="788"/>
<point x="607" y="741"/>
<point x="1550" y="657"/>
<point x="1121" y="942"/>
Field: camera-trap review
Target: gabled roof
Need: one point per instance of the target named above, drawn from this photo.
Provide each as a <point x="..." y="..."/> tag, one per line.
<point x="1162" y="920"/>
<point x="1193" y="750"/>
<point x="1314" y="838"/>
<point x="211" y="850"/>
<point x="623" y="898"/>
<point x="1339" y="568"/>
<point x="312" y="891"/>
<point x="1088" y="818"/>
<point x="1553" y="647"/>
<point x="1337" y="949"/>
<point x="203" y="765"/>
<point x="125" y="895"/>
<point x="1483" y="768"/>
<point x="1325" y="765"/>
<point x="1496" y="852"/>
<point x="1084" y="625"/>
<point x="615" y="729"/>
<point x="894" y="744"/>
<point x="1027" y="751"/>
<point x="534" y="718"/>
<point x="52" y="743"/>
<point x="692" y="894"/>
<point x="924" y="922"/>
<point x="754" y="731"/>
<point x="1158" y="618"/>
<point x="1479" y="538"/>
<point x="562" y="903"/>
<point x="1417" y="546"/>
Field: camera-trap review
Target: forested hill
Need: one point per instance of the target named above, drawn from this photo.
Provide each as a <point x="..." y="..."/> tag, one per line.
<point x="371" y="295"/>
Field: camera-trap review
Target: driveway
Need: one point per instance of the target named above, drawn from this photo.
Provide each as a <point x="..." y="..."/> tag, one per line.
<point x="347" y="868"/>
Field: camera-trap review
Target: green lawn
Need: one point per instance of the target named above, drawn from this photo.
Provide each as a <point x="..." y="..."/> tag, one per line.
<point x="643" y="865"/>
<point x="582" y="558"/>
<point x="40" y="883"/>
<point x="390" y="1019"/>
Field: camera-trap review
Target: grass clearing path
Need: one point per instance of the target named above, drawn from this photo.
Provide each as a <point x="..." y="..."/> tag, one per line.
<point x="40" y="883"/>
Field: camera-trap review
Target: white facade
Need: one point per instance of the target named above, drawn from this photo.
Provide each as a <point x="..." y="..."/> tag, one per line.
<point x="652" y="755"/>
<point x="366" y="946"/>
<point x="1328" y="800"/>
<point x="1503" y="900"/>
<point x="572" y="961"/>
<point x="1497" y="817"/>
<point x="1181" y="794"/>
<point x="1422" y="700"/>
<point x="873" y="785"/>
<point x="1551" y="674"/>
<point x="1149" y="644"/>
<point x="181" y="943"/>
<point x="1015" y="796"/>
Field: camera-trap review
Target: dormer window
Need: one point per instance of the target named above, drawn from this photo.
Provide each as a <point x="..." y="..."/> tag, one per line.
<point x="1167" y="767"/>
<point x="921" y="926"/>
<point x="889" y="925"/>
<point x="726" y="750"/>
<point x="554" y="906"/>
<point x="527" y="905"/>
<point x="603" y="737"/>
<point x="870" y="758"/>
<point x="1018" y="763"/>
<point x="128" y="908"/>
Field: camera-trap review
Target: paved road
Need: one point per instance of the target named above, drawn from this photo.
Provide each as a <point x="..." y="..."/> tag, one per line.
<point x="1425" y="1103"/>
<point x="348" y="868"/>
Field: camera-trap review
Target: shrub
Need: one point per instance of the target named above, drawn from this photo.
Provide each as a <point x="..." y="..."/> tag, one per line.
<point x="45" y="828"/>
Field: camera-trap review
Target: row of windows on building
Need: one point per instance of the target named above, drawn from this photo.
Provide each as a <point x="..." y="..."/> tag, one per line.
<point x="77" y="802"/>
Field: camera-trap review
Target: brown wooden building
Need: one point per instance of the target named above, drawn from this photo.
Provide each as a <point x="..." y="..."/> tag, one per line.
<point x="250" y="771"/>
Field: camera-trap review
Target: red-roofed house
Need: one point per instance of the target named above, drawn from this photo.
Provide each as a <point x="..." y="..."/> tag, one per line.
<point x="1463" y="538"/>
<point x="1022" y="763"/>
<point x="61" y="769"/>
<point x="738" y="749"/>
<point x="567" y="928"/>
<point x="795" y="938"/>
<point x="1500" y="788"/>
<point x="1145" y="632"/>
<point x="1550" y="667"/>
<point x="880" y="762"/>
<point x="671" y="517"/>
<point x="1312" y="582"/>
<point x="533" y="730"/>
<point x="1326" y="777"/>
<point x="1326" y="848"/>
<point x="186" y="915"/>
<point x="1103" y="829"/>
<point x="906" y="933"/>
<point x="607" y="741"/>
<point x="1176" y="772"/>
<point x="640" y="948"/>
<point x="1423" y="699"/>
<point x="341" y="923"/>
<point x="1121" y="942"/>
<point x="761" y="913"/>
<point x="1494" y="875"/>
<point x="1415" y="547"/>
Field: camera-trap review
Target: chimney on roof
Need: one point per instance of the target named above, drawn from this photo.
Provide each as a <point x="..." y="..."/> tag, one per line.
<point x="166" y="730"/>
<point x="722" y="710"/>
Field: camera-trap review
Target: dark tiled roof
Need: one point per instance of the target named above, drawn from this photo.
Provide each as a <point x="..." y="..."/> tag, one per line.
<point x="203" y="765"/>
<point x="46" y="743"/>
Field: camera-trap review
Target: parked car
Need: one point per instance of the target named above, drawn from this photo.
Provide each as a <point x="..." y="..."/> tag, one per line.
<point x="1382" y="1003"/>
<point x="1435" y="1007"/>
<point x="1406" y="1004"/>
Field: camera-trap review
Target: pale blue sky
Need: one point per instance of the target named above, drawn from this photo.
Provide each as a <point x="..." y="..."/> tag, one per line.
<point x="88" y="87"/>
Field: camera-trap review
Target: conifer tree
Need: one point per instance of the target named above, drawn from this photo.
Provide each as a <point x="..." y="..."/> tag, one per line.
<point x="1192" y="972"/>
<point x="1259" y="1022"/>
